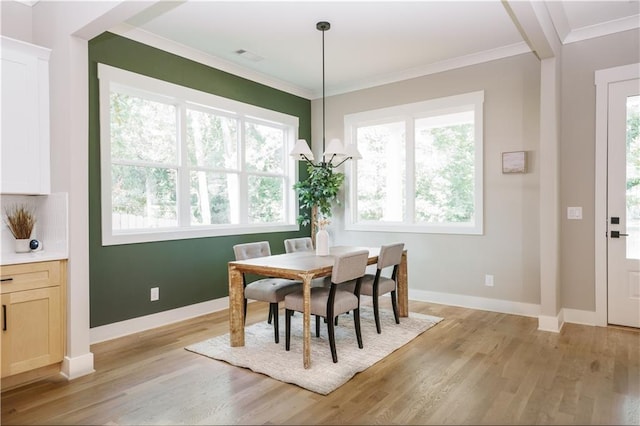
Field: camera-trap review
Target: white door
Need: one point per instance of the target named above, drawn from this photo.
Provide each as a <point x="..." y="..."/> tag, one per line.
<point x="623" y="277"/>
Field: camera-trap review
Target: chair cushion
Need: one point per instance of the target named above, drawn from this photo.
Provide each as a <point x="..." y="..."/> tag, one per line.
<point x="344" y="301"/>
<point x="385" y="285"/>
<point x="271" y="289"/>
<point x="322" y="282"/>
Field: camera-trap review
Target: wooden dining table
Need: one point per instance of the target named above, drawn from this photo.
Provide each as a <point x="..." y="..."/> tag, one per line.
<point x="303" y="266"/>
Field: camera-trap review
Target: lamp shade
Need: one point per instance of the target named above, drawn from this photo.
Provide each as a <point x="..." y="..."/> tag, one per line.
<point x="335" y="148"/>
<point x="351" y="150"/>
<point x="302" y="150"/>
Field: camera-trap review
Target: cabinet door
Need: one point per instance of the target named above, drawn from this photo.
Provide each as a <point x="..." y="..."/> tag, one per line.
<point x="25" y="153"/>
<point x="31" y="329"/>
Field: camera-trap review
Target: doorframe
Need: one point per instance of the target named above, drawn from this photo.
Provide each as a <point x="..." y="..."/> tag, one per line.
<point x="603" y="78"/>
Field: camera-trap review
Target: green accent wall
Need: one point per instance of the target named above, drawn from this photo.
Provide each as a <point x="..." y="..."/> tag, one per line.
<point x="187" y="271"/>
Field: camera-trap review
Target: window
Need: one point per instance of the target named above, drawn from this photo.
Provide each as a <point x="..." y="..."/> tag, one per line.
<point x="178" y="163"/>
<point x="421" y="169"/>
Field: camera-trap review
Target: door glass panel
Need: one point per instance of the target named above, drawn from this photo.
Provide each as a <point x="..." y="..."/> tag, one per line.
<point x="633" y="177"/>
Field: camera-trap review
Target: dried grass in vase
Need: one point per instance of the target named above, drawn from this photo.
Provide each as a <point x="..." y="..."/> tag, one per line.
<point x="20" y="220"/>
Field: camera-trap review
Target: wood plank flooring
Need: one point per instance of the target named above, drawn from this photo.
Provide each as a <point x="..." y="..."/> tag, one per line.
<point x="475" y="367"/>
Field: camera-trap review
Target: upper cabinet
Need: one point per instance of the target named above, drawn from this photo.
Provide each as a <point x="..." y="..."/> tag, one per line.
<point x="24" y="155"/>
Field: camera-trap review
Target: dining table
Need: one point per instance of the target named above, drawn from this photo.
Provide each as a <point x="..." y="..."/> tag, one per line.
<point x="302" y="266"/>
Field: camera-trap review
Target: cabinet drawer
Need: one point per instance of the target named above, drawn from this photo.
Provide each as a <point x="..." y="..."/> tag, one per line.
<point x="29" y="276"/>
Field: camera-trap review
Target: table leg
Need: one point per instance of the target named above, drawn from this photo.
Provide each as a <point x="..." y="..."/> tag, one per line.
<point x="306" y="320"/>
<point x="236" y="307"/>
<point x="403" y="287"/>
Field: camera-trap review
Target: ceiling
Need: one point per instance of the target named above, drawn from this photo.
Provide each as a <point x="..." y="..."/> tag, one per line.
<point x="369" y="43"/>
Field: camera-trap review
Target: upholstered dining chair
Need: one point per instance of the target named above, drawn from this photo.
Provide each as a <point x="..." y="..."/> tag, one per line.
<point x="378" y="284"/>
<point x="272" y="290"/>
<point x="293" y="245"/>
<point x="333" y="301"/>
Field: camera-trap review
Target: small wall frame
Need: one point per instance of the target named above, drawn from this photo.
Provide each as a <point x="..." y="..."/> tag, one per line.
<point x="514" y="162"/>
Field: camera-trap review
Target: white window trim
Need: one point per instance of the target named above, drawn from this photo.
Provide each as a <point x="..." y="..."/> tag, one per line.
<point x="109" y="75"/>
<point x="412" y="111"/>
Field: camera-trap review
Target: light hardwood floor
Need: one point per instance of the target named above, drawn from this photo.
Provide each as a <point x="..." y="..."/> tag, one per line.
<point x="475" y="367"/>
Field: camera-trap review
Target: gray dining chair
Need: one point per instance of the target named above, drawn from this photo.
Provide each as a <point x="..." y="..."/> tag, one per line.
<point x="330" y="302"/>
<point x="272" y="290"/>
<point x="293" y="245"/>
<point x="375" y="285"/>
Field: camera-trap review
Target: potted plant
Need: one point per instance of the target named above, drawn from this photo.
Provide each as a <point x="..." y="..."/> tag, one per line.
<point x="20" y="220"/>
<point x="317" y="193"/>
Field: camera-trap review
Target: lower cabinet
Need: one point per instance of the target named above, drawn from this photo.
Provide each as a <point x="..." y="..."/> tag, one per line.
<point x="33" y="316"/>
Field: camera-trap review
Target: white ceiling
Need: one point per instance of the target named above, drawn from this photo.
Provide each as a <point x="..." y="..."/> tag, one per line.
<point x="369" y="43"/>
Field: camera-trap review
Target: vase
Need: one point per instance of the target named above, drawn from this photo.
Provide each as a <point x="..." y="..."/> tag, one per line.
<point x="22" y="245"/>
<point x="322" y="243"/>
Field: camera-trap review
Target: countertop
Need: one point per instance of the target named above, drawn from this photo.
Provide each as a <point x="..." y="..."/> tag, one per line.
<point x="31" y="257"/>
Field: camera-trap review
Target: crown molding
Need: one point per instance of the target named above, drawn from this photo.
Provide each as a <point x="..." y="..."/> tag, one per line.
<point x="145" y="37"/>
<point x="606" y="28"/>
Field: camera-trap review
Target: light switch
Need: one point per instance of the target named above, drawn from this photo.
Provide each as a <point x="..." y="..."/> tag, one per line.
<point x="574" y="213"/>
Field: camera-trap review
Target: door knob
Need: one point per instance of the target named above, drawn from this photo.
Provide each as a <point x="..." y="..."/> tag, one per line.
<point x="617" y="234"/>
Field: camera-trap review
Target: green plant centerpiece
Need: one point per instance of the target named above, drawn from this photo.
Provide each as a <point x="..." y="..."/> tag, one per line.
<point x="317" y="193"/>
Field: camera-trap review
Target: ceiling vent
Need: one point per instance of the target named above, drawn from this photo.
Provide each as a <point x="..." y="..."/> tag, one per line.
<point x="249" y="55"/>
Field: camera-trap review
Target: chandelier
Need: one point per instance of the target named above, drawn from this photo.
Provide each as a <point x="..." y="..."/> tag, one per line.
<point x="335" y="151"/>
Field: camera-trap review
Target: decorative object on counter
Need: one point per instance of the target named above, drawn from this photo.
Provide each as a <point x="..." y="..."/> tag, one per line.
<point x="20" y="220"/>
<point x="34" y="244"/>
<point x="322" y="237"/>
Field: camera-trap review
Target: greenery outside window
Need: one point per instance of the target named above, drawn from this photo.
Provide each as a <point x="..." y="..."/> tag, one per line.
<point x="421" y="169"/>
<point x="179" y="163"/>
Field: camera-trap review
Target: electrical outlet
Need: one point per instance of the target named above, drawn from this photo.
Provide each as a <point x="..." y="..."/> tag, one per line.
<point x="155" y="294"/>
<point x="488" y="280"/>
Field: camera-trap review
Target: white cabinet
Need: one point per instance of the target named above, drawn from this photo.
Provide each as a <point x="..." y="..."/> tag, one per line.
<point x="24" y="155"/>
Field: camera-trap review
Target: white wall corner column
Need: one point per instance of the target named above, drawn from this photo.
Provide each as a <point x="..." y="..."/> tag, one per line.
<point x="535" y="24"/>
<point x="550" y="318"/>
<point x="65" y="28"/>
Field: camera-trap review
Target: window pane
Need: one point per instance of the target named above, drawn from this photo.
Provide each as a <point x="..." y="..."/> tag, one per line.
<point x="445" y="168"/>
<point x="381" y="175"/>
<point x="143" y="197"/>
<point x="633" y="177"/>
<point x="266" y="199"/>
<point x="264" y="148"/>
<point x="142" y="130"/>
<point x="214" y="198"/>
<point x="212" y="140"/>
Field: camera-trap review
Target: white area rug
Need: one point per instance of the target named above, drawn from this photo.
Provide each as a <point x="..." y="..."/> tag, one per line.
<point x="262" y="355"/>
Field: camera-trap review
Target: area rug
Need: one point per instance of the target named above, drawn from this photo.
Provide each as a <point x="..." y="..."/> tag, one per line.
<point x="262" y="355"/>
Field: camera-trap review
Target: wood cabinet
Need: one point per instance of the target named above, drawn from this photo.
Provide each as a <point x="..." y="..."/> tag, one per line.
<point x="33" y="316"/>
<point x="25" y="153"/>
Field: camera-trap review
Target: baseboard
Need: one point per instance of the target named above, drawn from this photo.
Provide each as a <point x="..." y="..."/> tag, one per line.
<point x="576" y="316"/>
<point x="78" y="366"/>
<point x="474" y="302"/>
<point x="135" y="325"/>
<point x="549" y="323"/>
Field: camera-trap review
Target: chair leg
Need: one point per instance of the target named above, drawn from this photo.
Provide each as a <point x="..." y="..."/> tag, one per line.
<point x="332" y="340"/>
<point x="395" y="306"/>
<point x="244" y="319"/>
<point x="270" y="316"/>
<point x="376" y="312"/>
<point x="356" y="321"/>
<point x="273" y="310"/>
<point x="318" y="325"/>
<point x="287" y="326"/>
